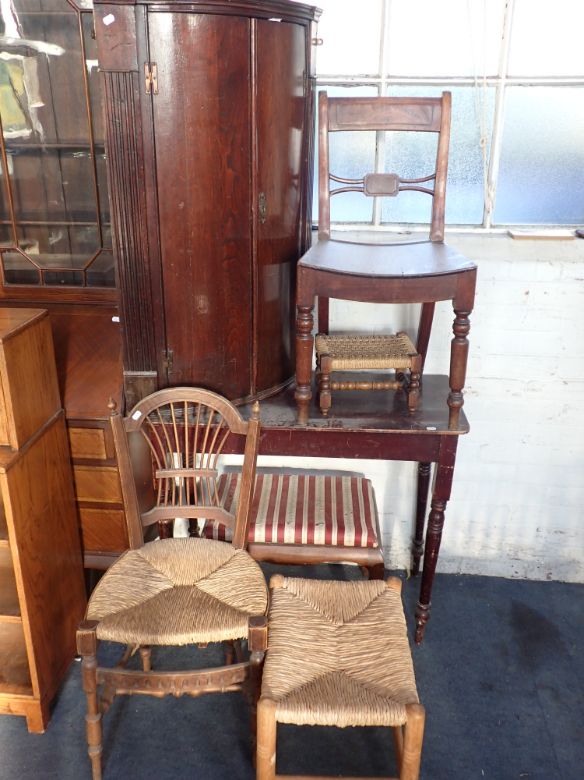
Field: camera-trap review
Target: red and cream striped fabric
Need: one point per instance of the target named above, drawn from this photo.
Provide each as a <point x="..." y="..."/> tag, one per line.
<point x="304" y="509"/>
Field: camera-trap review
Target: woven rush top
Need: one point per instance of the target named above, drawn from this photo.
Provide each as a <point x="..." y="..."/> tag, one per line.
<point x="368" y="351"/>
<point x="177" y="592"/>
<point x="338" y="654"/>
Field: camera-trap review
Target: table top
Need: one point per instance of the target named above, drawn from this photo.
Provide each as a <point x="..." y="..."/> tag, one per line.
<point x="374" y="411"/>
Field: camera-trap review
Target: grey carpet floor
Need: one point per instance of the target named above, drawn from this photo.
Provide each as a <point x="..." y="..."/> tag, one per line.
<point x="501" y="673"/>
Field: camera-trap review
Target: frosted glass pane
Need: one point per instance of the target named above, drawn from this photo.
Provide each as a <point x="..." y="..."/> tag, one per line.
<point x="351" y="37"/>
<point x="458" y="38"/>
<point x="547" y="38"/>
<point x="413" y="155"/>
<point x="351" y="155"/>
<point x="542" y="157"/>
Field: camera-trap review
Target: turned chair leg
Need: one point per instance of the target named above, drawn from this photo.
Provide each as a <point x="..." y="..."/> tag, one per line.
<point x="87" y="648"/>
<point x="324" y="384"/>
<point x="266" y="747"/>
<point x="413" y="737"/>
<point x="146" y="655"/>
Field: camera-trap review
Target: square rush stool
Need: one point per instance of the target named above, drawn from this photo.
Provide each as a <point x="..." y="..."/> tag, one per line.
<point x="338" y="655"/>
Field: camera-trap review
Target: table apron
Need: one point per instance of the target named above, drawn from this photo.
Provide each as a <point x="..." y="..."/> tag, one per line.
<point x="424" y="447"/>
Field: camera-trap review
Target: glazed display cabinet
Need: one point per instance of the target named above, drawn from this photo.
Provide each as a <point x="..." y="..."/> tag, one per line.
<point x="54" y="220"/>
<point x="55" y="235"/>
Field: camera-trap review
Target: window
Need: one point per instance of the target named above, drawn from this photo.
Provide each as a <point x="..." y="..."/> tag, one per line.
<point x="516" y="74"/>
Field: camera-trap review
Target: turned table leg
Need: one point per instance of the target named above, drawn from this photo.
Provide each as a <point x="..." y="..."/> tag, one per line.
<point x="304" y="348"/>
<point x="440" y="496"/>
<point x="424" y="470"/>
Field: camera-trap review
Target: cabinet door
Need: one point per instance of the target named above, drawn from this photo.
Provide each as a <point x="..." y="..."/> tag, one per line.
<point x="280" y="84"/>
<point x="203" y="156"/>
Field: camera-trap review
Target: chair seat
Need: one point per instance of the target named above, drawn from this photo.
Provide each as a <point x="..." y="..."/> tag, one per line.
<point x="338" y="654"/>
<point x="366" y="352"/>
<point x="390" y="261"/>
<point x="304" y="509"/>
<point x="177" y="592"/>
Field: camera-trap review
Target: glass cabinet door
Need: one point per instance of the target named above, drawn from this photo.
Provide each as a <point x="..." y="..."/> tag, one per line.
<point x="54" y="218"/>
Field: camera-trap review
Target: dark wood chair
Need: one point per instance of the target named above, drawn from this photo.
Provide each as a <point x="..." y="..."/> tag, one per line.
<point x="419" y="272"/>
<point x="176" y="591"/>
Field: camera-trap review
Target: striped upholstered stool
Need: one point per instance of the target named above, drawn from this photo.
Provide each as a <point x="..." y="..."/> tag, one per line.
<point x="307" y="518"/>
<point x="338" y="655"/>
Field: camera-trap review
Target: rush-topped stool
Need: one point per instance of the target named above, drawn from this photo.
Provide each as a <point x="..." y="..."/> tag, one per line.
<point x="338" y="655"/>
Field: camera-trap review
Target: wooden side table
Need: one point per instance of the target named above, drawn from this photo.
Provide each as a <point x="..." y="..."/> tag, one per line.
<point x="378" y="425"/>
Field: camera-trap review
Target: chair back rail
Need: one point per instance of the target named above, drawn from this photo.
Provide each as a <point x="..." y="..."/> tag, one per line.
<point x="401" y="114"/>
<point x="169" y="448"/>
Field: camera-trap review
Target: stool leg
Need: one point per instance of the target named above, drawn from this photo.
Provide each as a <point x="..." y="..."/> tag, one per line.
<point x="414" y="392"/>
<point x="398" y="743"/>
<point x="413" y="738"/>
<point x="266" y="747"/>
<point x="414" y="386"/>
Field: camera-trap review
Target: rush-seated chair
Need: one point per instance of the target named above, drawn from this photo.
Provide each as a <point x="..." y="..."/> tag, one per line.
<point x="176" y="591"/>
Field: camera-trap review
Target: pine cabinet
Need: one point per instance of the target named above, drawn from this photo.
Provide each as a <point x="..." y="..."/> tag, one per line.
<point x="209" y="123"/>
<point x="42" y="593"/>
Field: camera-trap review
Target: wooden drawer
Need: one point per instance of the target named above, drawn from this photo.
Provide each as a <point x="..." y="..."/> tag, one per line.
<point x="103" y="530"/>
<point x="97" y="483"/>
<point x="88" y="444"/>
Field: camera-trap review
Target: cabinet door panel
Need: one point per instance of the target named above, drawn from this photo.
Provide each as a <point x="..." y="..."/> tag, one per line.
<point x="281" y="62"/>
<point x="202" y="134"/>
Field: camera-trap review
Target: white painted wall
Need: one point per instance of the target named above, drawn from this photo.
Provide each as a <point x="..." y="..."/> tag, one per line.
<point x="517" y="503"/>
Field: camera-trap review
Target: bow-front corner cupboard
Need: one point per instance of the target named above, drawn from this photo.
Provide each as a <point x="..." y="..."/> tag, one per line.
<point x="209" y="110"/>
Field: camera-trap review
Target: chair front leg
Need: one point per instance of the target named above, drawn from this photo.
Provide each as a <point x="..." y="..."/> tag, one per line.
<point x="458" y="361"/>
<point x="87" y="649"/>
<point x="304" y="348"/>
